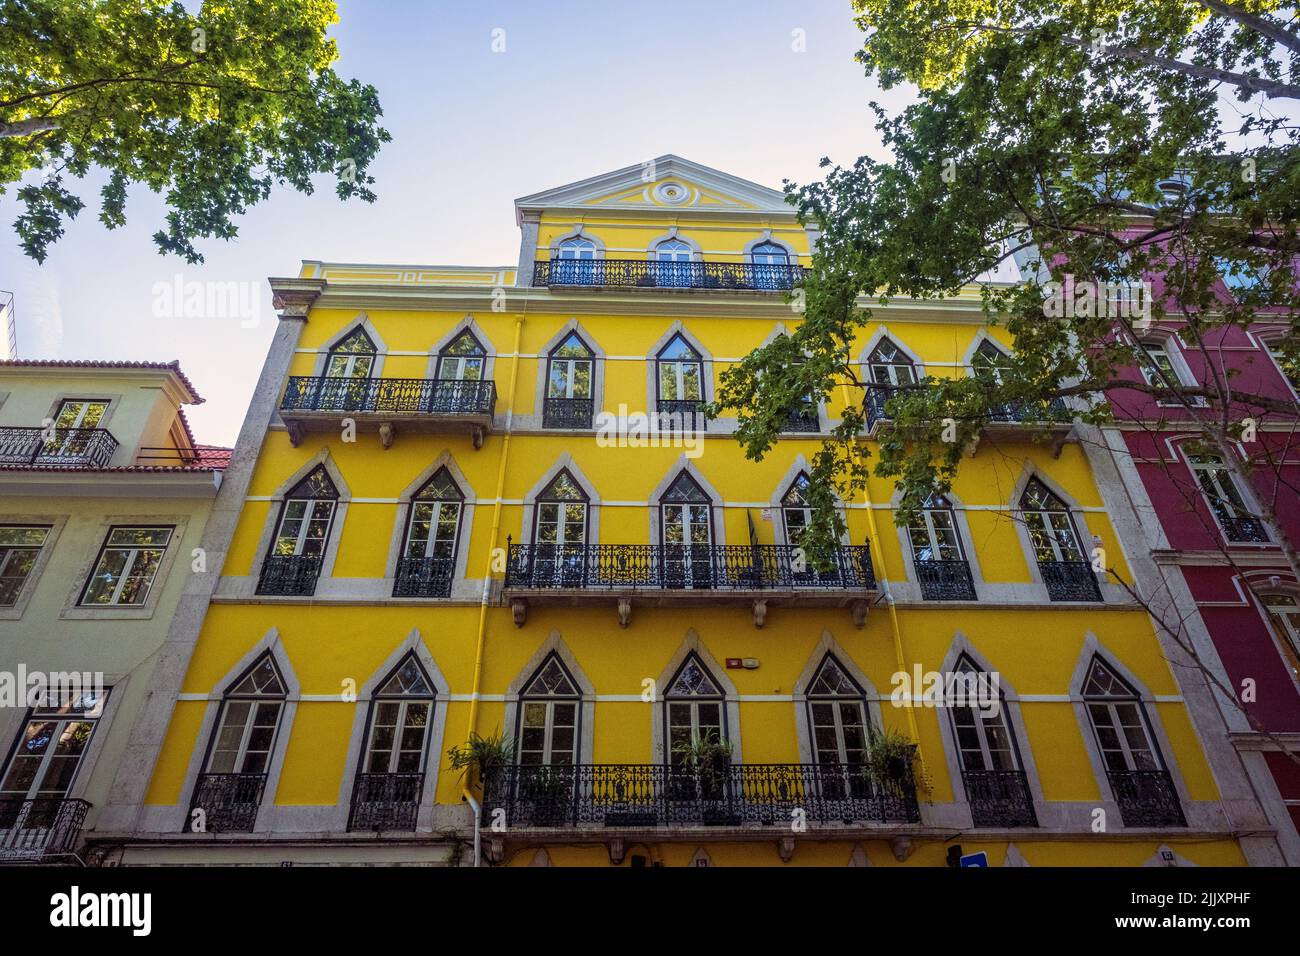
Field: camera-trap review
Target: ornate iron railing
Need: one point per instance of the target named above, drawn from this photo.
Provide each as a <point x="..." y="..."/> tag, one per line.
<point x="400" y="396"/>
<point x="40" y="828"/>
<point x="1244" y="528"/>
<point x="803" y="420"/>
<point x="681" y="415"/>
<point x="999" y="798"/>
<point x="1016" y="412"/>
<point x="292" y="574"/>
<point x="1070" y="580"/>
<point x="424" y="577"/>
<point x="945" y="580"/>
<point x="660" y="274"/>
<point x="567" y="412"/>
<point x="385" y="801"/>
<point x="877" y="397"/>
<point x="645" y="796"/>
<point x="1146" y="798"/>
<point x="696" y="567"/>
<point x="229" y="801"/>
<point x="57" y="447"/>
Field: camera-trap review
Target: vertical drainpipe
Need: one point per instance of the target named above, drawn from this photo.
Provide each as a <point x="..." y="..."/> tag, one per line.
<point x="487" y="574"/>
<point x="878" y="560"/>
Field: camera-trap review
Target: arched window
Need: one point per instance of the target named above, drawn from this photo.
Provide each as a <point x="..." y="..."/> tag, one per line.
<point x="548" y="717"/>
<point x="1284" y="613"/>
<point x="672" y="265"/>
<point x="1224" y="497"/>
<point x="679" y="382"/>
<point x="937" y="553"/>
<point x="693" y="710"/>
<point x="1134" y="765"/>
<point x="796" y="509"/>
<point x="990" y="756"/>
<point x="686" y="523"/>
<point x="560" y="531"/>
<point x="889" y="366"/>
<point x="769" y="254"/>
<point x="837" y="716"/>
<point x="574" y="262"/>
<point x="353" y="356"/>
<point x="302" y="533"/>
<point x="239" y="755"/>
<point x="990" y="362"/>
<point x="432" y="530"/>
<point x="1062" y="562"/>
<point x="388" y="790"/>
<point x="462" y="359"/>
<point x="569" y="385"/>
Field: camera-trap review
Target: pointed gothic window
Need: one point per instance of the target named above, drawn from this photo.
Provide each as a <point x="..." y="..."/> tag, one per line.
<point x="888" y="365"/>
<point x="400" y="715"/>
<point x="353" y="356"/>
<point x="837" y="716"/>
<point x="548" y="716"/>
<point x="462" y="359"/>
<point x="250" y="715"/>
<point x="693" y="708"/>
<point x="569" y="384"/>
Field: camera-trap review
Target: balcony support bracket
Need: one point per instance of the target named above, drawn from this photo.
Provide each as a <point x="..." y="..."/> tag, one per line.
<point x="859" y="610"/>
<point x="519" y="611"/>
<point x="760" y="613"/>
<point x="387" y="432"/>
<point x="973" y="445"/>
<point x="902" y="848"/>
<point x="624" y="612"/>
<point x="617" y="849"/>
<point x="294" y="431"/>
<point x="477" y="437"/>
<point x="494" y="849"/>
<point x="786" y="849"/>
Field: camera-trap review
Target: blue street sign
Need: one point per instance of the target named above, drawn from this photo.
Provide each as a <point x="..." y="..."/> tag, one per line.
<point x="975" y="859"/>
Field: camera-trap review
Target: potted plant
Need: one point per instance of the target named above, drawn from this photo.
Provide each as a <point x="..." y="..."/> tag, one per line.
<point x="889" y="758"/>
<point x="707" y="758"/>
<point x="479" y="758"/>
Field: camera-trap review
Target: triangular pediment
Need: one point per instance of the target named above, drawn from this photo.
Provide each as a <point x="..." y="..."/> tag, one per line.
<point x="665" y="184"/>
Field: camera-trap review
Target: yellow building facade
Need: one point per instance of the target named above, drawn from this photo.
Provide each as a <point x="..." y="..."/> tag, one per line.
<point x="446" y="515"/>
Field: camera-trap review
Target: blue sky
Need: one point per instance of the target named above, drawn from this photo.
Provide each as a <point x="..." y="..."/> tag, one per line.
<point x="580" y="89"/>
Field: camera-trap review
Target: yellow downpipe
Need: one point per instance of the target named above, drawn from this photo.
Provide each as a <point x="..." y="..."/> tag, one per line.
<point x="492" y="546"/>
<point x="878" y="560"/>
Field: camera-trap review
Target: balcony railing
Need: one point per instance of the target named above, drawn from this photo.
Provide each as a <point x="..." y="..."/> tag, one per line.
<point x="424" y="577"/>
<point x="1014" y="413"/>
<point x="40" y="828"/>
<point x="802" y="420"/>
<point x="385" y="801"/>
<point x="229" y="801"/>
<point x="1146" y="798"/>
<point x="945" y="580"/>
<point x="1245" y="529"/>
<point x="398" y="396"/>
<point x="57" y="447"/>
<point x="681" y="415"/>
<point x="289" y="574"/>
<point x="567" y="412"/>
<point x="999" y="798"/>
<point x="648" y="796"/>
<point x="658" y="274"/>
<point x="699" y="567"/>
<point x="877" y="397"/>
<point x="1070" y="580"/>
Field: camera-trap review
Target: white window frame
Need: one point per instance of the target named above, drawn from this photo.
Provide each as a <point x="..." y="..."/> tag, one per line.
<point x="132" y="555"/>
<point x="403" y="703"/>
<point x="1216" y="473"/>
<point x="309" y="514"/>
<point x="7" y="552"/>
<point x="61" y="721"/>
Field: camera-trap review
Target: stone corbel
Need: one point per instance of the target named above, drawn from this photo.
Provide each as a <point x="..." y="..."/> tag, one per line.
<point x="1059" y="442"/>
<point x="617" y="849"/>
<point x="760" y="613"/>
<point x="494" y="849"/>
<point x="786" y="849"/>
<point x="387" y="432"/>
<point x="624" y="612"/>
<point x="476" y="436"/>
<point x="859" y="610"/>
<point x="519" y="610"/>
<point x="901" y="847"/>
<point x="294" y="431"/>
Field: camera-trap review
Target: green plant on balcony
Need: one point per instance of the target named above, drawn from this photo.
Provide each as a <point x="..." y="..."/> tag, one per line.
<point x="480" y="757"/>
<point x="708" y="757"/>
<point x="889" y="757"/>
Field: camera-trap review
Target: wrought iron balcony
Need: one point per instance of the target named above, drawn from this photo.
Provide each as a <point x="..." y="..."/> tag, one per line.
<point x="681" y="416"/>
<point x="945" y="580"/>
<point x="1244" y="529"/>
<point x="1070" y="580"/>
<point x="289" y="574"/>
<point x="1146" y="798"/>
<point x="314" y="402"/>
<point x="567" y="413"/>
<point x="57" y="447"/>
<point x="999" y="798"/>
<point x="229" y="801"/>
<point x="655" y="796"/>
<point x="877" y="397"/>
<point x="41" y="828"/>
<point x="385" y="801"/>
<point x="708" y="567"/>
<point x="424" y="577"/>
<point x="803" y="420"/>
<point x="1018" y="412"/>
<point x="659" y="274"/>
